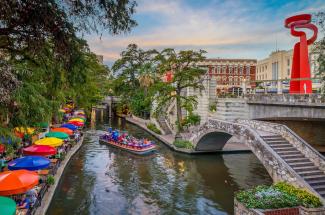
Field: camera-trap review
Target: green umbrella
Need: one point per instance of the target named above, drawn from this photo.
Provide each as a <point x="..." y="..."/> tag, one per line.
<point x="57" y="134"/>
<point x="7" y="206"/>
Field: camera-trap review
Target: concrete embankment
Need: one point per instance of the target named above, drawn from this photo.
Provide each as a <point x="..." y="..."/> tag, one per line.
<point x="46" y="201"/>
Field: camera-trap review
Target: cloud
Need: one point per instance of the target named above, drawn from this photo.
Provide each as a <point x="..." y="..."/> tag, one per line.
<point x="246" y="29"/>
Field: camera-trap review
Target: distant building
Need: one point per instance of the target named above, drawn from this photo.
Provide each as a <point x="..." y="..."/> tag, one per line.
<point x="278" y="66"/>
<point x="100" y="58"/>
<point x="227" y="75"/>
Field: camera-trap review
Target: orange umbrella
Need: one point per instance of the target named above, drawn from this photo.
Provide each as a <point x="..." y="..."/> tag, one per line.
<point x="17" y="182"/>
<point x="65" y="130"/>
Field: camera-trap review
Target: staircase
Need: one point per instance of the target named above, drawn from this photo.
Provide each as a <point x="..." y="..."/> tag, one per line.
<point x="163" y="125"/>
<point x="302" y="165"/>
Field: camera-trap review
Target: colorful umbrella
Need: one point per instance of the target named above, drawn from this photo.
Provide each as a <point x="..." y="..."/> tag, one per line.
<point x="49" y="141"/>
<point x="2" y="148"/>
<point x="17" y="182"/>
<point x="78" y="117"/>
<point x="29" y="163"/>
<point x="41" y="150"/>
<point x="76" y="120"/>
<point x="23" y="130"/>
<point x="42" y="125"/>
<point x="79" y="124"/>
<point x="70" y="126"/>
<point x="7" y="206"/>
<point x="57" y="134"/>
<point x="65" y="130"/>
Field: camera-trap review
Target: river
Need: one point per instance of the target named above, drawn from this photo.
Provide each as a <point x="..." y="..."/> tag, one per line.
<point x="103" y="180"/>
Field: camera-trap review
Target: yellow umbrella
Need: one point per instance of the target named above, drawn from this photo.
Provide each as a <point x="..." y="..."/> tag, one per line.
<point x="24" y="130"/>
<point x="76" y="120"/>
<point x="62" y="110"/>
<point x="49" y="141"/>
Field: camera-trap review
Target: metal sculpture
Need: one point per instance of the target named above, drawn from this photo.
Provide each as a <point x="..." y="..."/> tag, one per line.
<point x="300" y="71"/>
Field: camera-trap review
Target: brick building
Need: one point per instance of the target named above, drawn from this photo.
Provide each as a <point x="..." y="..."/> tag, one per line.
<point x="228" y="74"/>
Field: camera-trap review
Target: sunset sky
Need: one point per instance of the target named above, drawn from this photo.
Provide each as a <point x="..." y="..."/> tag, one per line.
<point x="226" y="29"/>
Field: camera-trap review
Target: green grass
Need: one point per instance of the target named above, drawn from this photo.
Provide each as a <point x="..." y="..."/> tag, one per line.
<point x="280" y="195"/>
<point x="183" y="144"/>
<point x="153" y="128"/>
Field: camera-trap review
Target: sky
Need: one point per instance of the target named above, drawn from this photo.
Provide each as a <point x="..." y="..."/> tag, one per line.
<point x="224" y="28"/>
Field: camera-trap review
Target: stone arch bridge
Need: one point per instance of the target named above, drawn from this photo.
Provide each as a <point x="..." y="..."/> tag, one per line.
<point x="285" y="155"/>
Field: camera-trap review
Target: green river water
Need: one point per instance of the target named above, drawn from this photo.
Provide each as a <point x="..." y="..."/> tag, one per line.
<point x="103" y="180"/>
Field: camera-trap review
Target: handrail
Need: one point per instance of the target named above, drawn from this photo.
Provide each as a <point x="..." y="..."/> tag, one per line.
<point x="298" y="137"/>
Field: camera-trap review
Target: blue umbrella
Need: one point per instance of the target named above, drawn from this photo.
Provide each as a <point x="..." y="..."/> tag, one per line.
<point x="29" y="163"/>
<point x="70" y="126"/>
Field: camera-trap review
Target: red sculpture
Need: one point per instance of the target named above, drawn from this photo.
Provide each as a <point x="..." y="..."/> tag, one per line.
<point x="300" y="64"/>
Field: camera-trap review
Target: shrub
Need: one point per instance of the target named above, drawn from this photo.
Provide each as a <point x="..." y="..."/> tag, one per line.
<point x="307" y="200"/>
<point x="191" y="119"/>
<point x="280" y="195"/>
<point x="153" y="128"/>
<point x="50" y="180"/>
<point x="213" y="108"/>
<point x="183" y="144"/>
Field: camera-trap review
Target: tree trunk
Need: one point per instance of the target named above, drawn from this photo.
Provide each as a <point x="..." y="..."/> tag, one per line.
<point x="179" y="112"/>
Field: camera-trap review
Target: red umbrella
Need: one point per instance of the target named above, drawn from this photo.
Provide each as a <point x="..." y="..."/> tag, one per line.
<point x="41" y="150"/>
<point x="2" y="148"/>
<point x="17" y="182"/>
<point x="76" y="123"/>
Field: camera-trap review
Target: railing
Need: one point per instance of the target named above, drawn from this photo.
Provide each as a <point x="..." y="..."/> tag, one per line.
<point x="291" y="136"/>
<point x="294" y="99"/>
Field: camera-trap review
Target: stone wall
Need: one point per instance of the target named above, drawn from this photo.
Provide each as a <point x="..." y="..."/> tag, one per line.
<point x="287" y="106"/>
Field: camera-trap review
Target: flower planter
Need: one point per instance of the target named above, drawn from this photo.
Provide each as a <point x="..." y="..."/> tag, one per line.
<point x="241" y="209"/>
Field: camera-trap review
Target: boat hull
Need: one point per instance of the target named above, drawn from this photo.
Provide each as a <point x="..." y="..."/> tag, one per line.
<point x="134" y="151"/>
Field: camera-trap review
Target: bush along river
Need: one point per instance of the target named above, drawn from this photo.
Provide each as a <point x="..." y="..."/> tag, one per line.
<point x="104" y="180"/>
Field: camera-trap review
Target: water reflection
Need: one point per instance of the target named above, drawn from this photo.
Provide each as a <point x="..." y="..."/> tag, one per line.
<point x="105" y="180"/>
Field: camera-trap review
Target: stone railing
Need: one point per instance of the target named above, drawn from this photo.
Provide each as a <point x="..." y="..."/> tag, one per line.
<point x="277" y="168"/>
<point x="292" y="137"/>
<point x="289" y="99"/>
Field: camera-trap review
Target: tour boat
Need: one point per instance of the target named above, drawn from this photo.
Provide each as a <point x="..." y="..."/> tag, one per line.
<point x="128" y="143"/>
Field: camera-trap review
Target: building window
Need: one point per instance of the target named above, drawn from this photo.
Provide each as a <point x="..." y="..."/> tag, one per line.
<point x="275" y="71"/>
<point x="230" y="69"/>
<point x="230" y="80"/>
<point x="236" y="80"/>
<point x="224" y="69"/>
<point x="224" y="78"/>
<point x="235" y="70"/>
<point x="241" y="69"/>
<point x="288" y="72"/>
<point x="248" y="70"/>
<point x="288" y="62"/>
<point x="218" y="69"/>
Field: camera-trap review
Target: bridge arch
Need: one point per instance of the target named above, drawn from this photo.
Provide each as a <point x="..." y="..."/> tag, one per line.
<point x="212" y="140"/>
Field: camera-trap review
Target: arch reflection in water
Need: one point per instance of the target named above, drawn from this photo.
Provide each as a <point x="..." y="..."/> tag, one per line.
<point x="104" y="180"/>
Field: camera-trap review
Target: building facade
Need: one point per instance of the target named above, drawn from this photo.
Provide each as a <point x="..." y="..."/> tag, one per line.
<point x="229" y="75"/>
<point x="278" y="67"/>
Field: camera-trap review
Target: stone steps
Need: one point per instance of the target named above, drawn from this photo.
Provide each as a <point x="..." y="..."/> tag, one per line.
<point x="298" y="162"/>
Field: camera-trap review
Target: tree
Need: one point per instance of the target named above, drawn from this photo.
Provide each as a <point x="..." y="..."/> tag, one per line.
<point x="133" y="71"/>
<point x="27" y="27"/>
<point x="186" y="74"/>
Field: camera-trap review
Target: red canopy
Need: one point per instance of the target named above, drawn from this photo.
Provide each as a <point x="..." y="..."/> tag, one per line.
<point x="41" y="150"/>
<point x="2" y="148"/>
